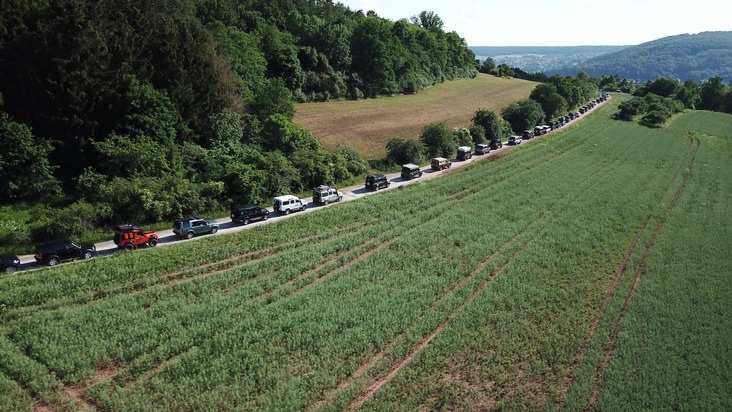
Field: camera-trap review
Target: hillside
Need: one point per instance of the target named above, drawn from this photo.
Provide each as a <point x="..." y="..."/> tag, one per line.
<point x="544" y="277"/>
<point x="367" y="125"/>
<point x="142" y="111"/>
<point x="696" y="57"/>
<point x="539" y="59"/>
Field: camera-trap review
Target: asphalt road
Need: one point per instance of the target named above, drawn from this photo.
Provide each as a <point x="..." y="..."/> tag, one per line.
<point x="167" y="237"/>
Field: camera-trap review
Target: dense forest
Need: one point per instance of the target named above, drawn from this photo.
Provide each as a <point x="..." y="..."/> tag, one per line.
<point x="140" y="111"/>
<point x="685" y="57"/>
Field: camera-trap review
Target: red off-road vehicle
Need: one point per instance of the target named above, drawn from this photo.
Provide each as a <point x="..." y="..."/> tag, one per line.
<point x="130" y="237"/>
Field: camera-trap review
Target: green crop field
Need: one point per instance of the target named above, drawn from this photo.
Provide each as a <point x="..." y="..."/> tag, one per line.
<point x="586" y="270"/>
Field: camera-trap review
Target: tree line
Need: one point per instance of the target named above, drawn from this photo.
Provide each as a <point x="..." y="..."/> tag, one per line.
<point x="137" y="111"/>
<point x="656" y="101"/>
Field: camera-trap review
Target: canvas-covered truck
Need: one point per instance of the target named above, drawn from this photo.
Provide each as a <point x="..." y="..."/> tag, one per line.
<point x="411" y="171"/>
<point x="464" y="152"/>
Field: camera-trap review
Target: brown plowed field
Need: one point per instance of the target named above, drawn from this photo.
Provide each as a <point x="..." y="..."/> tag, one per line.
<point x="367" y="125"/>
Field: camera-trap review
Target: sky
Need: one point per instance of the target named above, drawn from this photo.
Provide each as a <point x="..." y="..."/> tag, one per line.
<point x="562" y="22"/>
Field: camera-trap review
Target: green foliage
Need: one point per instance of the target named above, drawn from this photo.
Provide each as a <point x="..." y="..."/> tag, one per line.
<point x="712" y="93"/>
<point x="271" y="97"/>
<point x="655" y="110"/>
<point x="439" y="140"/>
<point x="488" y="66"/>
<point x="695" y="57"/>
<point x="490" y="123"/>
<point x="477" y="133"/>
<point x="265" y="318"/>
<point x="523" y="115"/>
<point x="25" y="172"/>
<point x="401" y="151"/>
<point x="463" y="136"/>
<point x="193" y="98"/>
<point x="553" y="104"/>
<point x="281" y="133"/>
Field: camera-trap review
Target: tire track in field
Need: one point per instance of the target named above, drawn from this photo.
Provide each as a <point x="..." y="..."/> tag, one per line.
<point x="97" y="297"/>
<point x="584" y="346"/>
<point x="392" y="236"/>
<point x="371" y="362"/>
<point x="177" y="276"/>
<point x="610" y="347"/>
<point x="557" y="151"/>
<point x="380" y="381"/>
<point x="437" y="206"/>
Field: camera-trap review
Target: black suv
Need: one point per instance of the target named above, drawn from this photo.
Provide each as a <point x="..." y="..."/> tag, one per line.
<point x="248" y="213"/>
<point x="54" y="252"/>
<point x="9" y="263"/>
<point x="496" y="144"/>
<point x="376" y="182"/>
<point x="411" y="171"/>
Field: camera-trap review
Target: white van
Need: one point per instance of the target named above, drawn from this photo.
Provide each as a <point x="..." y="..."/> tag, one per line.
<point x="286" y="204"/>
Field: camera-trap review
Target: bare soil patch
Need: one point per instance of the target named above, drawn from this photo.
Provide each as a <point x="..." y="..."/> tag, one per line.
<point x="367" y="125"/>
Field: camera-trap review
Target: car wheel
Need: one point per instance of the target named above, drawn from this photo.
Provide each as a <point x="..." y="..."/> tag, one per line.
<point x="189" y="235"/>
<point x="214" y="229"/>
<point x="265" y="217"/>
<point x="10" y="269"/>
<point x="325" y="203"/>
<point x="129" y="246"/>
<point x="152" y="242"/>
<point x="88" y="254"/>
<point x="340" y="198"/>
<point x="53" y="261"/>
<point x="303" y="208"/>
<point x="245" y="222"/>
<point x="287" y="212"/>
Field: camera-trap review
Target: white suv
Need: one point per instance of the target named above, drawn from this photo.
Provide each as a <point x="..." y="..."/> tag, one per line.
<point x="288" y="203"/>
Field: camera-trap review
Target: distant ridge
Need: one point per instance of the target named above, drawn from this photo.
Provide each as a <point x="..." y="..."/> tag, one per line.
<point x="536" y="59"/>
<point x="685" y="57"/>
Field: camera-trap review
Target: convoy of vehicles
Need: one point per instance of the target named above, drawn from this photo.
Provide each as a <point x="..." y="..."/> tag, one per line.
<point x="129" y="237"/>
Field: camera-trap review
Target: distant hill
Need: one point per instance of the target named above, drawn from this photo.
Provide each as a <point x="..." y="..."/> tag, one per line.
<point x="539" y="59"/>
<point x="686" y="57"/>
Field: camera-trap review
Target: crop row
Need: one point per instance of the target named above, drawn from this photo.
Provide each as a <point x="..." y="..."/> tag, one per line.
<point x="475" y="289"/>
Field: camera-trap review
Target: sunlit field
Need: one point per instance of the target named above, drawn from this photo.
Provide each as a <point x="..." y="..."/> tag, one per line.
<point x="586" y="270"/>
<point x="367" y="125"/>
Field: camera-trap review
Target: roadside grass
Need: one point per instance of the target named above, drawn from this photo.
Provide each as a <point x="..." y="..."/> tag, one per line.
<point x="474" y="291"/>
<point x="367" y="125"/>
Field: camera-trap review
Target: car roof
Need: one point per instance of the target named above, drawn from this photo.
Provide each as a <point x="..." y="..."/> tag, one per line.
<point x="241" y="207"/>
<point x="286" y="197"/>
